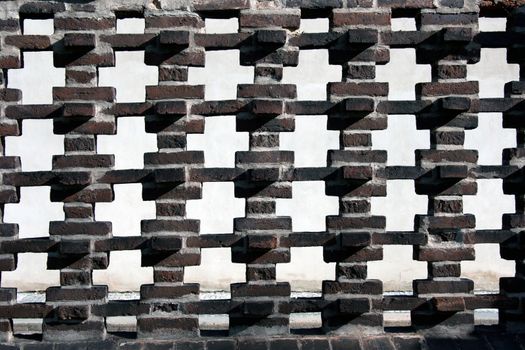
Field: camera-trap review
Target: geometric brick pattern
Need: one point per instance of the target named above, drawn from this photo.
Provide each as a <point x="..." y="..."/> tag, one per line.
<point x="359" y="38"/>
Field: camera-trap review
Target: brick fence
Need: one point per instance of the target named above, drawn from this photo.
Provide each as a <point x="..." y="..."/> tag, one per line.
<point x="442" y="306"/>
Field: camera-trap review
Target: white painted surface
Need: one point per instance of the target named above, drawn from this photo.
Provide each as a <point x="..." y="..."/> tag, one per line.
<point x="310" y="141"/>
<point x="306" y="152"/>
<point x="217" y="152"/>
<point x="218" y="200"/>
<point x="129" y="143"/>
<point x="312" y="74"/>
<point x="221" y="75"/>
<point x="37" y="77"/>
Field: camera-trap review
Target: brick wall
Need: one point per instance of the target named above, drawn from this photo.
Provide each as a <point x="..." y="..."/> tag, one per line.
<point x="359" y="38"/>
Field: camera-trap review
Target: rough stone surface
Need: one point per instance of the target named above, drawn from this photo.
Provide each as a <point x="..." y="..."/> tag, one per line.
<point x="352" y="306"/>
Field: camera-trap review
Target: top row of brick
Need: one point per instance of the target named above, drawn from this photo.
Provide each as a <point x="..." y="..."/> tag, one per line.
<point x="43" y="8"/>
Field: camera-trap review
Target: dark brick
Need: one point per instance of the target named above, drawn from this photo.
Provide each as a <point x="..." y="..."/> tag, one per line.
<point x="283" y="344"/>
<point x="221" y="344"/>
<point x="343" y="343"/>
<point x="286" y="19"/>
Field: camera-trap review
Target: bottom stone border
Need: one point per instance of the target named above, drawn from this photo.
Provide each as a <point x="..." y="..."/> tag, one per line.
<point x="476" y="341"/>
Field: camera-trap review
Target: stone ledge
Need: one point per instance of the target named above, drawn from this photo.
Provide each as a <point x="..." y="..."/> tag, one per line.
<point x="393" y="341"/>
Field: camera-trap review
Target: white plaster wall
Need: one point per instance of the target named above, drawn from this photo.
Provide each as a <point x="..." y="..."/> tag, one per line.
<point x="218" y="207"/>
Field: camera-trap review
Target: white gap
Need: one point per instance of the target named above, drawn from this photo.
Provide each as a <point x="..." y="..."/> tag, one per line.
<point x="129" y="295"/>
<point x="308" y="206"/>
<point x="401" y="139"/>
<point x="219" y="142"/>
<point x="402" y="73"/>
<point x="129" y="76"/>
<point x="306" y="270"/>
<point x="129" y="144"/>
<point x="486" y="317"/>
<point x="216" y="271"/>
<point x="403" y="24"/>
<point x="31" y="274"/>
<point x="215" y="295"/>
<point x="39" y="26"/>
<point x="124" y="272"/>
<point x="488" y="267"/>
<point x="221" y="75"/>
<point x="492" y="72"/>
<point x="37" y="77"/>
<point x="312" y="74"/>
<point x="121" y="324"/>
<point x="490" y="127"/>
<point x="221" y="26"/>
<point x="31" y="297"/>
<point x="217" y="208"/>
<point x="310" y="141"/>
<point x="400" y="205"/>
<point x="395" y="318"/>
<point x="314" y="25"/>
<point x="27" y="326"/>
<point x="34" y="212"/>
<point x="489" y="204"/>
<point x="126" y="211"/>
<point x="214" y="322"/>
<point x="36" y="145"/>
<point x="131" y="26"/>
<point x="397" y="270"/>
<point x="492" y="24"/>
<point x="305" y="320"/>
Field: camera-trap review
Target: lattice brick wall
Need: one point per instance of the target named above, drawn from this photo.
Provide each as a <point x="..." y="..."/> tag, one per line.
<point x="360" y="37"/>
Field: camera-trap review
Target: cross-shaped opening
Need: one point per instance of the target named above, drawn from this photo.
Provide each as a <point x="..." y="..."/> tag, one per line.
<point x="490" y="127"/>
<point x="308" y="206"/>
<point x="219" y="142"/>
<point x="306" y="270"/>
<point x="135" y="275"/>
<point x="129" y="144"/>
<point x="401" y="139"/>
<point x="403" y="64"/>
<point x="397" y="270"/>
<point x="489" y="204"/>
<point x="220" y="75"/>
<point x="129" y="76"/>
<point x="312" y="74"/>
<point x="37" y="77"/>
<point x="217" y="208"/>
<point x="310" y="141"/>
<point x="487" y="268"/>
<point x="31" y="274"/>
<point x="492" y="81"/>
<point x="216" y="271"/>
<point x="400" y="205"/>
<point x="34" y="212"/>
<point x="126" y="211"/>
<point x="36" y="145"/>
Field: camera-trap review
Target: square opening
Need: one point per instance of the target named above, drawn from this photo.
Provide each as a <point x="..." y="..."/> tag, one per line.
<point x="130" y="25"/>
<point x="119" y="324"/>
<point x="305" y="320"/>
<point x="221" y="26"/>
<point x="314" y="25"/>
<point x="38" y="26"/>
